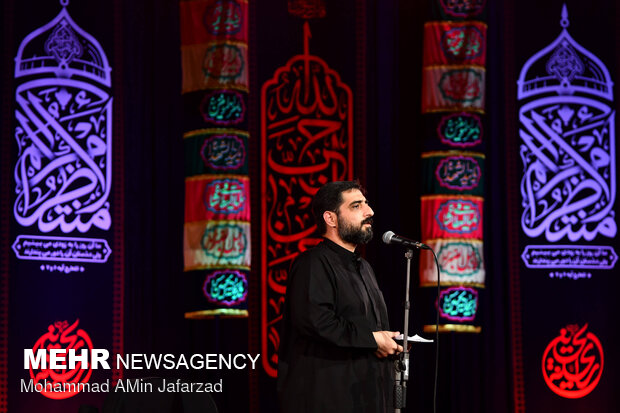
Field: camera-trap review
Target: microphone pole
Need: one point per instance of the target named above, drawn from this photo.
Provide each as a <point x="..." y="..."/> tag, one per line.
<point x="401" y="365"/>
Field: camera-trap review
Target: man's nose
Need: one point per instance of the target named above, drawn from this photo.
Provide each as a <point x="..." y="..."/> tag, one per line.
<point x="368" y="212"/>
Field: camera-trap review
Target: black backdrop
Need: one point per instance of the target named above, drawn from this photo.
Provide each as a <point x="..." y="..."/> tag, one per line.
<point x="475" y="371"/>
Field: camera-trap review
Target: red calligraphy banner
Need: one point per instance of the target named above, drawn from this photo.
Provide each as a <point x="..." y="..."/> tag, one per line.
<point x="451" y="217"/>
<point x="461" y="43"/>
<point x="306" y="141"/>
<point x="453" y="88"/>
<point x="205" y="21"/>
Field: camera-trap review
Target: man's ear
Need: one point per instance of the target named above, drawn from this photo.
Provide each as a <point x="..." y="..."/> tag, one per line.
<point x="330" y="218"/>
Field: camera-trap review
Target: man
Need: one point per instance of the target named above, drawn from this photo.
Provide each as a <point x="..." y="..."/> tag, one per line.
<point x="336" y="338"/>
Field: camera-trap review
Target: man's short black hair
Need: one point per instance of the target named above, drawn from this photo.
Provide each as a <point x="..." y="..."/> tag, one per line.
<point x="329" y="198"/>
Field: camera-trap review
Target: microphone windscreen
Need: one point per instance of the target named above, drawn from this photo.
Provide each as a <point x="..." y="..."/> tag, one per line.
<point x="387" y="237"/>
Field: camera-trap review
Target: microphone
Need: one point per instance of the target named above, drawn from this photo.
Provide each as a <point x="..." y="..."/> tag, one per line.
<point x="390" y="238"/>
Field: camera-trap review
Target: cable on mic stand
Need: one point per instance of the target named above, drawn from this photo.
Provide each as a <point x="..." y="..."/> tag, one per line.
<point x="436" y="332"/>
<point x="401" y="365"/>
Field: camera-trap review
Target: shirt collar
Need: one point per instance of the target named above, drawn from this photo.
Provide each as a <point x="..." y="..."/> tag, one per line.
<point x="344" y="253"/>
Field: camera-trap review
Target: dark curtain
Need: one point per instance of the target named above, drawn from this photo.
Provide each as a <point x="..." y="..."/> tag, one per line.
<point x="150" y="104"/>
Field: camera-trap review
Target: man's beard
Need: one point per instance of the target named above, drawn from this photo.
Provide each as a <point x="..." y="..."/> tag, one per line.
<point x="355" y="235"/>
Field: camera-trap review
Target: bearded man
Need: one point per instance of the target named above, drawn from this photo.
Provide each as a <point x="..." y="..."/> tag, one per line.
<point x="336" y="339"/>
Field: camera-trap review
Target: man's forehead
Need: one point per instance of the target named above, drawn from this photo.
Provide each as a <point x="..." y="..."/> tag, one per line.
<point x="352" y="195"/>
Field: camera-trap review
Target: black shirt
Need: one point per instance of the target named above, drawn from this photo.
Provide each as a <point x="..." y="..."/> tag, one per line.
<point x="326" y="359"/>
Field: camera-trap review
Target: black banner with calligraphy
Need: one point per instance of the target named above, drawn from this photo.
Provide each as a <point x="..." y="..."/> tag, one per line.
<point x="65" y="217"/>
<point x="564" y="158"/>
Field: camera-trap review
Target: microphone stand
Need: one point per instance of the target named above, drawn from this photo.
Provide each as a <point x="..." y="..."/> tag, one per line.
<point x="401" y="365"/>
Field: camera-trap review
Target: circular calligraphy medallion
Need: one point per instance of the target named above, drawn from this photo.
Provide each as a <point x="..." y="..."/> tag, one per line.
<point x="572" y="363"/>
<point x="62" y="383"/>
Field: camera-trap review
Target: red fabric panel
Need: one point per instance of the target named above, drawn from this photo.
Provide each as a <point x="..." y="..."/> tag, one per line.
<point x="451" y="217"/>
<point x="462" y="43"/>
<point x="216" y="197"/>
<point x="206" y="21"/>
<point x="453" y="88"/>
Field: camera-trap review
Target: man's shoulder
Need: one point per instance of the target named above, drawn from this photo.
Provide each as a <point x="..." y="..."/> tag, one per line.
<point x="312" y="263"/>
<point x="314" y="252"/>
